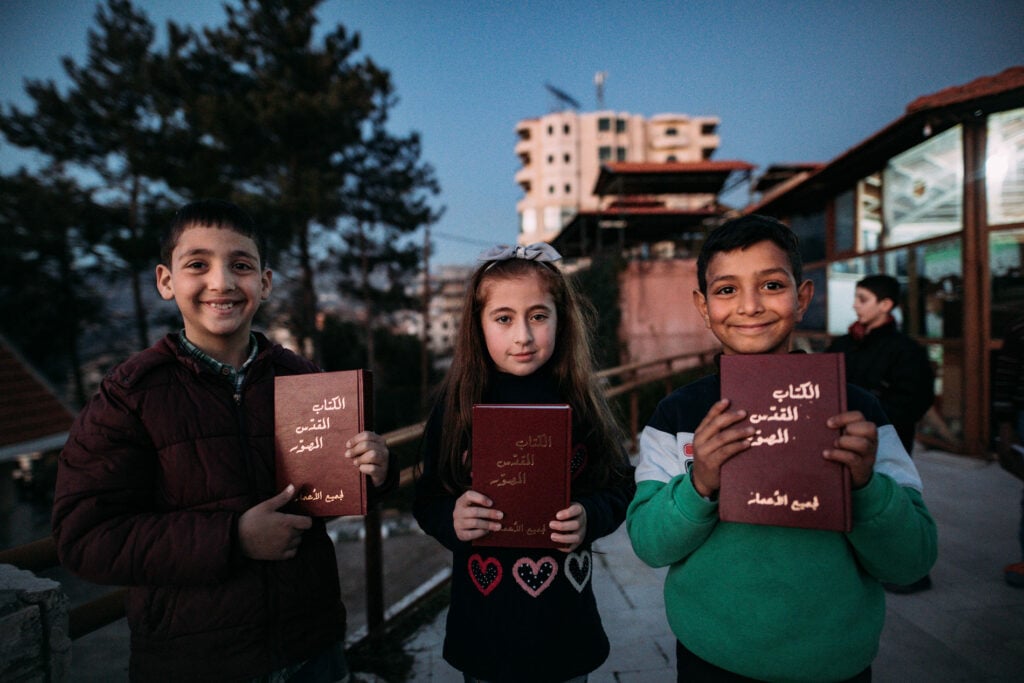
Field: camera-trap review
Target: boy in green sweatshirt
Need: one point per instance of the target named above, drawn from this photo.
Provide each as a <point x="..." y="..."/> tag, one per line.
<point x="749" y="602"/>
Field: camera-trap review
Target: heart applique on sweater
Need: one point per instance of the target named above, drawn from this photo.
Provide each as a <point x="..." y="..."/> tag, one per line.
<point x="577" y="568"/>
<point x="486" y="574"/>
<point x="535" y="577"/>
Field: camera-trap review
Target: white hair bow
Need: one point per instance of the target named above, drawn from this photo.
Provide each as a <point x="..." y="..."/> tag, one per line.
<point x="538" y="251"/>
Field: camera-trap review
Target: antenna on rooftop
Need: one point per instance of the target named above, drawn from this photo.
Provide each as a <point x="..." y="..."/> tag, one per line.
<point x="599" y="79"/>
<point x="562" y="96"/>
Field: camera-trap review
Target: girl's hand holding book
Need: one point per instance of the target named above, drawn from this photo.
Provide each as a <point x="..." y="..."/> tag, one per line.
<point x="474" y="516"/>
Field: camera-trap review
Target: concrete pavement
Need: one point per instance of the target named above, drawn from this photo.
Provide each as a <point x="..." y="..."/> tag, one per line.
<point x="968" y="627"/>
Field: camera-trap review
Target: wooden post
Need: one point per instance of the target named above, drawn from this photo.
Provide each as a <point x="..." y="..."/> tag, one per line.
<point x="374" y="571"/>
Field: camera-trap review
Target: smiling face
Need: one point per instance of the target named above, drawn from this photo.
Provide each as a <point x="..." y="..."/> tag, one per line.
<point x="871" y="311"/>
<point x="753" y="302"/>
<point x="216" y="280"/>
<point x="519" y="323"/>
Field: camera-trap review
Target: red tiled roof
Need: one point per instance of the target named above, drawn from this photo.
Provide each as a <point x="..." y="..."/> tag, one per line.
<point x="29" y="408"/>
<point x="1008" y="79"/>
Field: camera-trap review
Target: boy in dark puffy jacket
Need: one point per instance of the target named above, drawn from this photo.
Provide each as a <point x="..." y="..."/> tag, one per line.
<point x="166" y="484"/>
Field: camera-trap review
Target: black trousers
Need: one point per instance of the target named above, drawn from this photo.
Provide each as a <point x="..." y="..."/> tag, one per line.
<point x="692" y="669"/>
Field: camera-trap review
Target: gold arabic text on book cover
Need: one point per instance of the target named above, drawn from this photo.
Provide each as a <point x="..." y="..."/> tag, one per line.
<point x="782" y="479"/>
<point x="314" y="415"/>
<point x="521" y="462"/>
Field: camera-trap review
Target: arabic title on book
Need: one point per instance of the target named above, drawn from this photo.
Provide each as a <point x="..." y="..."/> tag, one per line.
<point x="314" y="415"/>
<point x="782" y="479"/>
<point x="521" y="462"/>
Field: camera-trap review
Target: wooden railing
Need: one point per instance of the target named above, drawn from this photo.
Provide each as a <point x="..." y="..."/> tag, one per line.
<point x="626" y="379"/>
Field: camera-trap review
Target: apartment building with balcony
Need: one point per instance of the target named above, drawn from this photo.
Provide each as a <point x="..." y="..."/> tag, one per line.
<point x="562" y="155"/>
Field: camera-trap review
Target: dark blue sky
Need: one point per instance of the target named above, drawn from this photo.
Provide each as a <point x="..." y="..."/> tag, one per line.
<point x="790" y="81"/>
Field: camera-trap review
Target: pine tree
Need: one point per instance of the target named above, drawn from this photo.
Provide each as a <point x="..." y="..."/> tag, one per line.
<point x="48" y="271"/>
<point x="108" y="129"/>
<point x="298" y="132"/>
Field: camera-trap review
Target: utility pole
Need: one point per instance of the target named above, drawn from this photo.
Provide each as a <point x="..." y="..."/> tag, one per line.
<point x="424" y="350"/>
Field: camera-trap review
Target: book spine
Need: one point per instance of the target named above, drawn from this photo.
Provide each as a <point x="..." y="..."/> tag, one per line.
<point x="847" y="484"/>
<point x="365" y="423"/>
<point x="366" y="382"/>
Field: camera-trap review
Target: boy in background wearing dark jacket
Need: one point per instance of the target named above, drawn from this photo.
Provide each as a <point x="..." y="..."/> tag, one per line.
<point x="166" y="484"/>
<point x="883" y="360"/>
<point x="749" y="602"/>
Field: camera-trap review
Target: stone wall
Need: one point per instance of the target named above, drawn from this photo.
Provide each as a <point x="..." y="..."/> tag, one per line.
<point x="35" y="644"/>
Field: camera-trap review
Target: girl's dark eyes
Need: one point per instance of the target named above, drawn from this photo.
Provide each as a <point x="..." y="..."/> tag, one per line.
<point x="774" y="285"/>
<point x="726" y="290"/>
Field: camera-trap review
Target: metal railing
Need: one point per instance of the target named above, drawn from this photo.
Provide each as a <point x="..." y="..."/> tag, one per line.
<point x="95" y="614"/>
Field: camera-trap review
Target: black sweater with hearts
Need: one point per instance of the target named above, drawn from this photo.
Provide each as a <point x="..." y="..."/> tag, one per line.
<point x="520" y="614"/>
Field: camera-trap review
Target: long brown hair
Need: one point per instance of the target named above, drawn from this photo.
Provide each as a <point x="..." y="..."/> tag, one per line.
<point x="572" y="366"/>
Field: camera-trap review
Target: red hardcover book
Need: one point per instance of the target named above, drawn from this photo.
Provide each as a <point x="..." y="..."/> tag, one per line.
<point x="521" y="462"/>
<point x="314" y="415"/>
<point x="782" y="479"/>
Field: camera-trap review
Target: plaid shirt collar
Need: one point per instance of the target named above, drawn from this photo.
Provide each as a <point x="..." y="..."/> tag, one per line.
<point x="237" y="377"/>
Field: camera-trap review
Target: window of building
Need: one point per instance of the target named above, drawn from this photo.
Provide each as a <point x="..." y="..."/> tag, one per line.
<point x="568" y="188"/>
<point x="933" y="308"/>
<point x="528" y="221"/>
<point x="566" y="157"/>
<point x="565" y="128"/>
<point x="844" y="209"/>
<point x="842" y="281"/>
<point x="814" y="317"/>
<point x="551" y="130"/>
<point x="604" y="153"/>
<point x="869" y="212"/>
<point x="671" y="157"/>
<point x="708" y="128"/>
<point x="620" y="153"/>
<point x="620" y="125"/>
<point x="1004" y="167"/>
<point x="810" y="228"/>
<point x="924" y="190"/>
<point x="707" y="153"/>
<point x="671" y="131"/>
<point x="551" y="189"/>
<point x="551" y="158"/>
<point x="939" y="286"/>
<point x="1006" y="265"/>
<point x="604" y="124"/>
<point x="568" y="213"/>
<point x="552" y="218"/>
